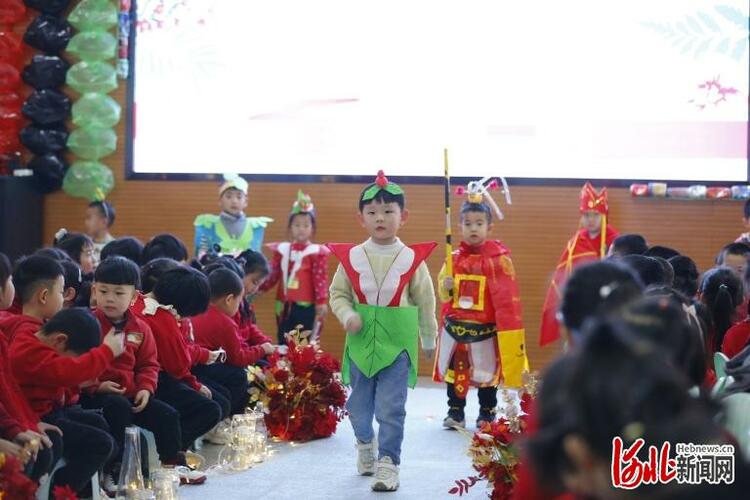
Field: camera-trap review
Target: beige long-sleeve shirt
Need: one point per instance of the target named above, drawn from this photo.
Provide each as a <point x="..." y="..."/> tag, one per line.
<point x="382" y="258"/>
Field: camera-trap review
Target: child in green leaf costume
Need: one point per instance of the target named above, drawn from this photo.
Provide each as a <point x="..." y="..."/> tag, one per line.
<point x="382" y="294"/>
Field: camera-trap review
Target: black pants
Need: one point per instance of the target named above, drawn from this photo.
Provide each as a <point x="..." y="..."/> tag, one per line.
<point x="293" y="314"/>
<point x="87" y="445"/>
<point x="487" y="396"/>
<point x="46" y="458"/>
<point x="198" y="414"/>
<point x="230" y="381"/>
<point x="158" y="417"/>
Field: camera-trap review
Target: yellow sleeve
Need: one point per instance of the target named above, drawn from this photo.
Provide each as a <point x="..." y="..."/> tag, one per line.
<point x="443" y="292"/>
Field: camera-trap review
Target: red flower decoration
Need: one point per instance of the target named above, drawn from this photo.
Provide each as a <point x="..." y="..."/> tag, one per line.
<point x="381" y="180"/>
<point x="460" y="190"/>
<point x="305" y="399"/>
<point x="64" y="493"/>
<point x="493" y="184"/>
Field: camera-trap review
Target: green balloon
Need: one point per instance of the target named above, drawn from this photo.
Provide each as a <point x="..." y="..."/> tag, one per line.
<point x="92" y="143"/>
<point x="88" y="179"/>
<point x="93" y="14"/>
<point x="96" y="110"/>
<point x="94" y="45"/>
<point x="94" y="76"/>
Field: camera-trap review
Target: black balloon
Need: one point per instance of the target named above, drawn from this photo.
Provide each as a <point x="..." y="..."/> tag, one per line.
<point x="49" y="171"/>
<point x="46" y="107"/>
<point x="45" y="72"/>
<point x="42" y="141"/>
<point x="48" y="6"/>
<point x="48" y="34"/>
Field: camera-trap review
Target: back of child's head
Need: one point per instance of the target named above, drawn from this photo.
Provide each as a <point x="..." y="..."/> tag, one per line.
<point x="667" y="271"/>
<point x="127" y="246"/>
<point x="117" y="270"/>
<point x="629" y="244"/>
<point x="665" y="318"/>
<point x="615" y="385"/>
<point x="32" y="273"/>
<point x="53" y="253"/>
<point x="184" y="288"/>
<point x="72" y="275"/>
<point x="740" y="249"/>
<point x="165" y="245"/>
<point x="480" y="207"/>
<point x="106" y="210"/>
<point x="73" y="244"/>
<point x="224" y="282"/>
<point x="685" y="275"/>
<point x="722" y="292"/>
<point x="597" y="288"/>
<point x="253" y="262"/>
<point x="661" y="251"/>
<point x="222" y="262"/>
<point x="648" y="269"/>
<point x="79" y="325"/>
<point x="151" y="272"/>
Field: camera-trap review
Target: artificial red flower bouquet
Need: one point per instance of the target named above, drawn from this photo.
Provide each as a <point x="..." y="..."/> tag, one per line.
<point x="301" y="390"/>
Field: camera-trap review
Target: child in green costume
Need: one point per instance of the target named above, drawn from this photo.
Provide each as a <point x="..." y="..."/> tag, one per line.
<point x="382" y="294"/>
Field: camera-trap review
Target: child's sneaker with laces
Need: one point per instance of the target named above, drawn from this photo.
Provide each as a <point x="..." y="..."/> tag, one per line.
<point x="386" y="475"/>
<point x="454" y="419"/>
<point x="366" y="458"/>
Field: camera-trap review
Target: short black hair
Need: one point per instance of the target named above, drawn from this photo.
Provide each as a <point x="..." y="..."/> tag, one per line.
<point x="184" y="288"/>
<point x="629" y="244"/>
<point x="661" y="251"/>
<point x="53" y="253"/>
<point x="381" y="196"/>
<point x="732" y="249"/>
<point x="117" y="270"/>
<point x="106" y="209"/>
<point x="79" y="325"/>
<point x="597" y="288"/>
<point x="33" y="272"/>
<point x="72" y="275"/>
<point x="5" y="270"/>
<point x="224" y="282"/>
<point x="668" y="271"/>
<point x="73" y="244"/>
<point x="164" y="245"/>
<point x="211" y="263"/>
<point x="648" y="269"/>
<point x="127" y="246"/>
<point x="253" y="262"/>
<point x="152" y="271"/>
<point x="482" y="208"/>
<point x="685" y="275"/>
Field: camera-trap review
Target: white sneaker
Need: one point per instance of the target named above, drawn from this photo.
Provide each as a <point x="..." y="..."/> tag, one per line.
<point x="386" y="475"/>
<point x="366" y="457"/>
<point x="218" y="435"/>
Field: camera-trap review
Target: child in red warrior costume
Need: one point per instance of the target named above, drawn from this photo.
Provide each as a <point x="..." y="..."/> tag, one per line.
<point x="589" y="243"/>
<point x="481" y="342"/>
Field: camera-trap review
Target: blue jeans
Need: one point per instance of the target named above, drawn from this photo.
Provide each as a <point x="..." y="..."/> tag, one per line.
<point x="382" y="396"/>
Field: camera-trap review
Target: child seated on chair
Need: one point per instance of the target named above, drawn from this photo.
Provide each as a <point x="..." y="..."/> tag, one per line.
<point x="215" y="329"/>
<point x="49" y="366"/>
<point x="125" y="391"/>
<point x="179" y="293"/>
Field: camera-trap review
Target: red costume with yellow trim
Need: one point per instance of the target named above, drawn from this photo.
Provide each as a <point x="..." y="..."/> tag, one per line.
<point x="581" y="248"/>
<point x="482" y="328"/>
